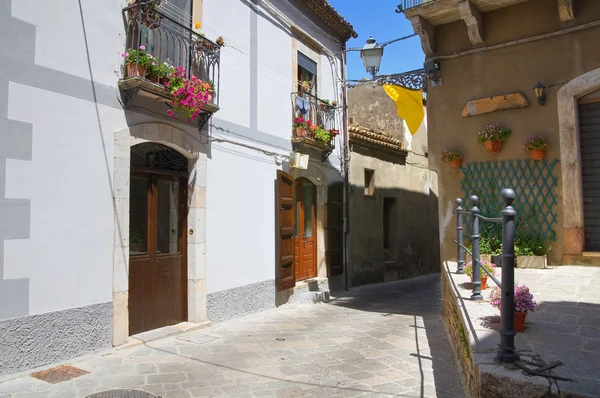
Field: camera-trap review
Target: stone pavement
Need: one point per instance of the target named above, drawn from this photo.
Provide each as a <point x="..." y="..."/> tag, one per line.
<point x="378" y="340"/>
<point x="565" y="327"/>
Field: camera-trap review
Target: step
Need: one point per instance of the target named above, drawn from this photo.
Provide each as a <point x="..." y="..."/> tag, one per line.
<point x="586" y="258"/>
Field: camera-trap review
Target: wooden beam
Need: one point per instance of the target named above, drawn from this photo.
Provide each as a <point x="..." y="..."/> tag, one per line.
<point x="565" y="10"/>
<point x="472" y="17"/>
<point x="425" y="32"/>
<point x="493" y="104"/>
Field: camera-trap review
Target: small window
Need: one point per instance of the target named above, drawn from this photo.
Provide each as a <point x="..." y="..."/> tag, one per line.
<point x="307" y="72"/>
<point x="369" y="182"/>
<point x="389" y="209"/>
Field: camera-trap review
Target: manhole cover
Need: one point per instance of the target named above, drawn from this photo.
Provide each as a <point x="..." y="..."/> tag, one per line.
<point x="122" y="394"/>
<point x="59" y="373"/>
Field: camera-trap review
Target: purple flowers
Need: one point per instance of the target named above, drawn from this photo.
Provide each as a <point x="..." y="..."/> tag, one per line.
<point x="142" y="47"/>
<point x="448" y="156"/>
<point x="493" y="132"/>
<point x="523" y="299"/>
<point x="534" y="142"/>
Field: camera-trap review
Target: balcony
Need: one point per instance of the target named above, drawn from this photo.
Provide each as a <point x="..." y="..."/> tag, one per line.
<point x="163" y="53"/>
<point x="407" y="4"/>
<point x="315" y="123"/>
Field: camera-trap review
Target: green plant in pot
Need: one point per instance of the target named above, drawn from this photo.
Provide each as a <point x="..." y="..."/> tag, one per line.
<point x="493" y="136"/>
<point x="531" y="250"/>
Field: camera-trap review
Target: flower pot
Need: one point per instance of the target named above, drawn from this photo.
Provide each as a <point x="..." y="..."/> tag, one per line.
<point x="456" y="163"/>
<point x="538" y="154"/>
<point x="163" y="80"/>
<point x="483" y="279"/>
<point x="210" y="97"/>
<point x="134" y="69"/>
<point x="154" y="78"/>
<point x="493" y="146"/>
<point x="520" y="321"/>
<point x="535" y="262"/>
<point x="300" y="132"/>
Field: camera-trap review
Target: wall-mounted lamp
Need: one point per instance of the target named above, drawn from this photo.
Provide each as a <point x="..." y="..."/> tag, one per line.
<point x="540" y="93"/>
<point x="298" y="160"/>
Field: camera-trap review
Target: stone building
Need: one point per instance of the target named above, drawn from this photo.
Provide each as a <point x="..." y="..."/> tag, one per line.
<point x="490" y="55"/>
<point x="393" y="195"/>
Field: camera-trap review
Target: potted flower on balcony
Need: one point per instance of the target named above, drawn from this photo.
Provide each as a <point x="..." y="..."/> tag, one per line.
<point x="524" y="304"/>
<point x="211" y="91"/>
<point x="322" y="135"/>
<point x="164" y="71"/>
<point x="220" y="41"/>
<point x="136" y="62"/>
<point x="483" y="275"/>
<point x="493" y="136"/>
<point x="152" y="68"/>
<point x="300" y="126"/>
<point x="145" y="11"/>
<point x="189" y="95"/>
<point x="537" y="147"/>
<point x="454" y="158"/>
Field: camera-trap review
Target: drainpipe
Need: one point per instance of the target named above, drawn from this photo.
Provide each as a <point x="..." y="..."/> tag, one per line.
<point x="346" y="156"/>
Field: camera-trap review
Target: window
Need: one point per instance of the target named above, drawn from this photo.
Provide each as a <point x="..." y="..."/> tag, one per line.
<point x="389" y="210"/>
<point x="307" y="72"/>
<point x="369" y="182"/>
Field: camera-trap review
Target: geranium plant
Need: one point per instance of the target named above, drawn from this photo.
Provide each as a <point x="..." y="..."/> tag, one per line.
<point x="300" y="122"/>
<point x="139" y="56"/>
<point x="189" y="95"/>
<point x="524" y="301"/>
<point x="534" y="142"/>
<point x="448" y="156"/>
<point x="487" y="265"/>
<point x="493" y="132"/>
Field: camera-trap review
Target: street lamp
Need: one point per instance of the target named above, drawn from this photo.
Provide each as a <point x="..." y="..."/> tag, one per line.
<point x="371" y="55"/>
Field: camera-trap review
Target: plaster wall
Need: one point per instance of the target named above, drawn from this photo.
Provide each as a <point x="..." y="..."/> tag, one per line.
<point x="515" y="69"/>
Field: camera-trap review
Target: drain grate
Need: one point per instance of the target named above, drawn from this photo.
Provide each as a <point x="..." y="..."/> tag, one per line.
<point x="122" y="394"/>
<point x="59" y="374"/>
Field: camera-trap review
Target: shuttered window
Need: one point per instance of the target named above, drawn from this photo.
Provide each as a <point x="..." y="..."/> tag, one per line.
<point x="589" y="133"/>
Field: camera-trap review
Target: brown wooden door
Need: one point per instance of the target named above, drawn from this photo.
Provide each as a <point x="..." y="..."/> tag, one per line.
<point x="157" y="255"/>
<point x="286" y="277"/>
<point x="335" y="228"/>
<point x="306" y="230"/>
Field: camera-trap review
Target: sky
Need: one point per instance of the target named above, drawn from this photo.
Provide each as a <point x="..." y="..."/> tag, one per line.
<point x="378" y="18"/>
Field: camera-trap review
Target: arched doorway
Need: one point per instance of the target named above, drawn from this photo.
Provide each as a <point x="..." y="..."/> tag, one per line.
<point x="305" y="252"/>
<point x="157" y="238"/>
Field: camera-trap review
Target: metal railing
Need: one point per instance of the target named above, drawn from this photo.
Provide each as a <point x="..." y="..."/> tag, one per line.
<point x="167" y="37"/>
<point x="406" y="4"/>
<point x="507" y="349"/>
<point x="316" y="111"/>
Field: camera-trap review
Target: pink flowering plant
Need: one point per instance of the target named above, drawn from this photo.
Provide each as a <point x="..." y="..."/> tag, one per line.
<point x="493" y="132"/>
<point x="523" y="299"/>
<point x="534" y="142"/>
<point x="139" y="56"/>
<point x="448" y="156"/>
<point x="486" y="264"/>
<point x="189" y="95"/>
<point x="300" y="122"/>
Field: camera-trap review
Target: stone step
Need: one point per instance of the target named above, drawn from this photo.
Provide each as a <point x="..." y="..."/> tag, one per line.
<point x="314" y="290"/>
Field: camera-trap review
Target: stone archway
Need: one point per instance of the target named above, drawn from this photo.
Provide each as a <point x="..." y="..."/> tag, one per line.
<point x="570" y="157"/>
<point x="195" y="152"/>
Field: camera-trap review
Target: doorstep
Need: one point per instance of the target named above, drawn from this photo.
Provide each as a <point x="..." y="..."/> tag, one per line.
<point x="161" y="333"/>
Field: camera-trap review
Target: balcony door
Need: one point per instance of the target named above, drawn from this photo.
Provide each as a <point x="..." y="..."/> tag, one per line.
<point x="305" y="230"/>
<point x="157" y="238"/>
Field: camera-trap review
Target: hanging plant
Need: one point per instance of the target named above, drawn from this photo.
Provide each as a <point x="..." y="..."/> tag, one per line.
<point x="189" y="95"/>
<point x="493" y="136"/>
<point x="537" y="146"/>
<point x="454" y="158"/>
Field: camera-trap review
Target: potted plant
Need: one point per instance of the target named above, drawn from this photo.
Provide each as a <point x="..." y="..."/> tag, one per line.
<point x="322" y="135"/>
<point x="493" y="136"/>
<point x="300" y="125"/>
<point x="136" y="62"/>
<point x="334" y="103"/>
<point x="164" y="71"/>
<point x="220" y="41"/>
<point x="145" y="11"/>
<point x="152" y="68"/>
<point x="454" y="158"/>
<point x="483" y="275"/>
<point x="490" y="247"/>
<point x="537" y="147"/>
<point x="211" y="91"/>
<point x="530" y="251"/>
<point x="524" y="304"/>
<point x="189" y="95"/>
<point x="325" y="105"/>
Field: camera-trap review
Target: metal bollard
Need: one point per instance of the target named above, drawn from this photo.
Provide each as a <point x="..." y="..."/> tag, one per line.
<point x="460" y="255"/>
<point x="475" y="257"/>
<point x="507" y="353"/>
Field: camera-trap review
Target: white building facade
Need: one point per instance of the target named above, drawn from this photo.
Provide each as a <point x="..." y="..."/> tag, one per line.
<point x="116" y="218"/>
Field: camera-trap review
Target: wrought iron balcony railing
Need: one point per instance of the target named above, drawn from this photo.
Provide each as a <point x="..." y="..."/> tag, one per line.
<point x="407" y="4"/>
<point x="160" y="40"/>
<point x="315" y="122"/>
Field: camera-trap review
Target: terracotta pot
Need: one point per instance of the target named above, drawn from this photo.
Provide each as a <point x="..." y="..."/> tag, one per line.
<point x="493" y="146"/>
<point x="520" y="321"/>
<point x="538" y="154"/>
<point x="163" y="80"/>
<point x="134" y="69"/>
<point x="456" y="162"/>
<point x="484" y="282"/>
<point x="300" y="132"/>
<point x="210" y="97"/>
<point x="154" y="78"/>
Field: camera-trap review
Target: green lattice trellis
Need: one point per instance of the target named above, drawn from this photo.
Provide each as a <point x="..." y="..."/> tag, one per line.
<point x="533" y="183"/>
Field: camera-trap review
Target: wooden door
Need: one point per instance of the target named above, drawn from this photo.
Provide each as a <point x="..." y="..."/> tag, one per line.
<point x="589" y="135"/>
<point x="306" y="230"/>
<point x="157" y="255"/>
<point x="335" y="229"/>
<point x="286" y="277"/>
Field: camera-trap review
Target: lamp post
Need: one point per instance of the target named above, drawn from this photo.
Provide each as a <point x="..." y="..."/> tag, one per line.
<point x="371" y="54"/>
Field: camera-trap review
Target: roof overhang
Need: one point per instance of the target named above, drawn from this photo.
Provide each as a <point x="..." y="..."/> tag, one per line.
<point x="342" y="28"/>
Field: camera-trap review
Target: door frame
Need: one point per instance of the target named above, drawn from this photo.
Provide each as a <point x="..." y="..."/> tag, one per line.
<point x="195" y="152"/>
<point x="300" y="187"/>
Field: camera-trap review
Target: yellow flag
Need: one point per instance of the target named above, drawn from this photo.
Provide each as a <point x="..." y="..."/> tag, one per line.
<point x="409" y="105"/>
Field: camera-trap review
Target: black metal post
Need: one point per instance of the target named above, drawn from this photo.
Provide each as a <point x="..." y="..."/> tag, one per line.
<point x="475" y="257"/>
<point x="460" y="252"/>
<point x="507" y="353"/>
